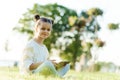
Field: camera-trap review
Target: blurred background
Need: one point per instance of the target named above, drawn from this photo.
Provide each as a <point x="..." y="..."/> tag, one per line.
<point x="85" y="32"/>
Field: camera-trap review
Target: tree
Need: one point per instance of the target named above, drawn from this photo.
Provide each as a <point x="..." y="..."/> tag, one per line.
<point x="85" y="27"/>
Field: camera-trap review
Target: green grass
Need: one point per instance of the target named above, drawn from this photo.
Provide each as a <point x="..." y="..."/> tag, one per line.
<point x="13" y="74"/>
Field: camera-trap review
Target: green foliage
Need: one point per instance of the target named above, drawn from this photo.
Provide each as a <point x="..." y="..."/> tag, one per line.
<point x="99" y="42"/>
<point x="71" y="49"/>
<point x="80" y="24"/>
<point x="89" y="17"/>
<point x="95" y="11"/>
<point x="113" y="26"/>
<point x="97" y="67"/>
<point x="86" y="46"/>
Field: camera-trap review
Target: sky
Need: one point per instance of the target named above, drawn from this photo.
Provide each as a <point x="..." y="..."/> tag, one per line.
<point x="12" y="10"/>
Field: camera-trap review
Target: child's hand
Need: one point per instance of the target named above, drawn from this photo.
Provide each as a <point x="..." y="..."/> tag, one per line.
<point x="61" y="64"/>
<point x="54" y="62"/>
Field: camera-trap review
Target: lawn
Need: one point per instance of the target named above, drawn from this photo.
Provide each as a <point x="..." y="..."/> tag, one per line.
<point x="12" y="73"/>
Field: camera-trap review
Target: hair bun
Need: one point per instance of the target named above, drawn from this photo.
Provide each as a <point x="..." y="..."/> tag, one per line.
<point x="36" y="17"/>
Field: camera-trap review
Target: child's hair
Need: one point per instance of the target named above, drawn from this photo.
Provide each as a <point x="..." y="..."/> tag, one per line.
<point x="44" y="19"/>
<point x="36" y="17"/>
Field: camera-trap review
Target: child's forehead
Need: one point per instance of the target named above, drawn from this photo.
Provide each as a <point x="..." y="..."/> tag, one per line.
<point x="46" y="25"/>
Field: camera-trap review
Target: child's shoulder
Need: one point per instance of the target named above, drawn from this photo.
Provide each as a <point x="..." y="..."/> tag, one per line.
<point x="30" y="43"/>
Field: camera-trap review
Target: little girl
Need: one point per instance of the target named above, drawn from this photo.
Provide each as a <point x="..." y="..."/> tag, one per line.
<point x="35" y="54"/>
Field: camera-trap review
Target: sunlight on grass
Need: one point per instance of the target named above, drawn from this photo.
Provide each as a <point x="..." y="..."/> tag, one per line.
<point x="13" y="74"/>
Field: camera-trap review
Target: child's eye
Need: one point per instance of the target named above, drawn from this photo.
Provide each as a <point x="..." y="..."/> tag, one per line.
<point x="48" y="29"/>
<point x="45" y="29"/>
<point x="42" y="28"/>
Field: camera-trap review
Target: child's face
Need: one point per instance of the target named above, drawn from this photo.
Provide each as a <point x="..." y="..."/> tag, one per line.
<point x="43" y="30"/>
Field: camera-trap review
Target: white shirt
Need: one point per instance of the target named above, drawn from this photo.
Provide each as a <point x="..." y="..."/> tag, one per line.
<point x="32" y="53"/>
